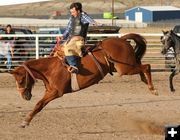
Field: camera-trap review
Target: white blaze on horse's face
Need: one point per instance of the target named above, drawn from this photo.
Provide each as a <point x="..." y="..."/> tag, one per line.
<point x="21" y="83"/>
<point x="20" y="90"/>
<point x="163" y="39"/>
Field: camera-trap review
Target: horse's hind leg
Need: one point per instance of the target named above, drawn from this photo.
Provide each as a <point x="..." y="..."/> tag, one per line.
<point x="49" y="96"/>
<point x="145" y="74"/>
<point x="143" y="78"/>
<point x="146" y="69"/>
<point x="175" y="71"/>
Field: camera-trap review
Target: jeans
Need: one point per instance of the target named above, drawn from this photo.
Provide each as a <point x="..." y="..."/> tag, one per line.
<point x="9" y="62"/>
<point x="73" y="60"/>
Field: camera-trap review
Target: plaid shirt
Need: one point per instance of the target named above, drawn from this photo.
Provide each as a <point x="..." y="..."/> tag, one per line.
<point x="84" y="17"/>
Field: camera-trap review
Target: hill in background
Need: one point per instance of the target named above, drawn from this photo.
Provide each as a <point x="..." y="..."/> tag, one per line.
<point x="46" y="9"/>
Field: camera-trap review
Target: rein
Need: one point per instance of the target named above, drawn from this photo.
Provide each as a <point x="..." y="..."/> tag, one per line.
<point x="29" y="71"/>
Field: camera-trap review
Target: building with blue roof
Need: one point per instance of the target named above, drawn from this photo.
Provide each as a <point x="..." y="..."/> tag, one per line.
<point x="150" y="14"/>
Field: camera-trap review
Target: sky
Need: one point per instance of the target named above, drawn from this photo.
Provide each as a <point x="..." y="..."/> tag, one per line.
<point x="11" y="2"/>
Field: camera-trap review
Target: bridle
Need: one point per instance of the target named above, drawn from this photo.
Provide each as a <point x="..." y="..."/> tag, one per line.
<point x="164" y="41"/>
<point x="28" y="72"/>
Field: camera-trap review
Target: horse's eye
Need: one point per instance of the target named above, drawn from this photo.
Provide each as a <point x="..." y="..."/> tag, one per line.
<point x="162" y="41"/>
<point x="20" y="81"/>
<point x="168" y="39"/>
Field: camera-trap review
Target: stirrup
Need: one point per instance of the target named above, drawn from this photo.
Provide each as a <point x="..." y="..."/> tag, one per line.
<point x="73" y="69"/>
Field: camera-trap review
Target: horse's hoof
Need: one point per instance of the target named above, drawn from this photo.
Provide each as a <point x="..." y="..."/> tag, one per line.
<point x="24" y="124"/>
<point x="172" y="90"/>
<point x="155" y="92"/>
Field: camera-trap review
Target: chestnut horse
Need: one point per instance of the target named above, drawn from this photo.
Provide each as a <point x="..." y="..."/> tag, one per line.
<point x="57" y="79"/>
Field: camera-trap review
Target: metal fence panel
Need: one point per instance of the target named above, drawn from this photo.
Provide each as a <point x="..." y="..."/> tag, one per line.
<point x="40" y="45"/>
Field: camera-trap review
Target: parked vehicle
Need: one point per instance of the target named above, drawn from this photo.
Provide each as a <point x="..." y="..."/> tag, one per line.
<point x="47" y="43"/>
<point x="24" y="47"/>
<point x="176" y="29"/>
<point x="101" y="30"/>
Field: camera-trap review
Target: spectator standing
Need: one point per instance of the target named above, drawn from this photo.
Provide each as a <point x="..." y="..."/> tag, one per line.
<point x="6" y="47"/>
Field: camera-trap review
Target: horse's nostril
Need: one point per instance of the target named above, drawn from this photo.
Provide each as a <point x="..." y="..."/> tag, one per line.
<point x="163" y="52"/>
<point x="27" y="96"/>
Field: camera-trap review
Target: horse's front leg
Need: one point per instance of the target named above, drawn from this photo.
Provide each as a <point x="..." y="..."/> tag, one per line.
<point x="49" y="96"/>
<point x="175" y="71"/>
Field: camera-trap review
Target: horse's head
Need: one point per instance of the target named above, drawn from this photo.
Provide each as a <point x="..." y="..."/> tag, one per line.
<point x="24" y="82"/>
<point x="167" y="41"/>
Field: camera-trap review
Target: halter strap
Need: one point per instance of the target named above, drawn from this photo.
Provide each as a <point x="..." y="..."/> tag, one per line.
<point x="29" y="71"/>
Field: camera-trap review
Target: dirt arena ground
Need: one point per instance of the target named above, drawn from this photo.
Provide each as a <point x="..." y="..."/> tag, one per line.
<point x="118" y="108"/>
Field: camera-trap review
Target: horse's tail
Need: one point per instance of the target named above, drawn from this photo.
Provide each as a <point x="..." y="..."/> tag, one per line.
<point x="140" y="47"/>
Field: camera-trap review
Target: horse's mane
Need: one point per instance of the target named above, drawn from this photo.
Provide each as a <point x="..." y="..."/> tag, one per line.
<point x="41" y="62"/>
<point x="176" y="41"/>
<point x="174" y="34"/>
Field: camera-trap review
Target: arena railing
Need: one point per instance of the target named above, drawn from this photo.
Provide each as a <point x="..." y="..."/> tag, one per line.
<point x="34" y="46"/>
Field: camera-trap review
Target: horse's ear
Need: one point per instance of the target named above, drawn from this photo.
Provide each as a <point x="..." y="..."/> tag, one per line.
<point x="13" y="72"/>
<point x="99" y="43"/>
<point x="163" y="31"/>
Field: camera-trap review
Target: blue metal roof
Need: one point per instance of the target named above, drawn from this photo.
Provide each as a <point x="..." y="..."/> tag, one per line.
<point x="157" y="8"/>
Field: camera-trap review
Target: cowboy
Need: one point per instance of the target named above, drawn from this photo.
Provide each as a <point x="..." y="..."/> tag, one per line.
<point x="75" y="35"/>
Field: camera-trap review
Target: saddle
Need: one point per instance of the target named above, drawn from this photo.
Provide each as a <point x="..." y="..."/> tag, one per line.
<point x="86" y="50"/>
<point x="59" y="52"/>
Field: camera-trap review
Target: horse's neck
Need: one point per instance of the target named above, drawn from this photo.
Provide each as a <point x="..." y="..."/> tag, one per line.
<point x="40" y="66"/>
<point x="176" y="40"/>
